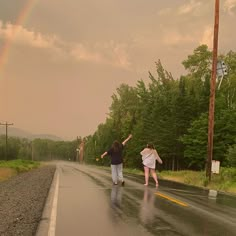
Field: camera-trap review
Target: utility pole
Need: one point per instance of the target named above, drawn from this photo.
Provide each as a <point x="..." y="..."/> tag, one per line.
<point x="6" y="124"/>
<point x="32" y="150"/>
<point x="212" y="93"/>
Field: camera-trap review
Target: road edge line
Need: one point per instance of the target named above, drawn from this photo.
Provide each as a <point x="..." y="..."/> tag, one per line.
<point x="46" y="219"/>
<point x="53" y="218"/>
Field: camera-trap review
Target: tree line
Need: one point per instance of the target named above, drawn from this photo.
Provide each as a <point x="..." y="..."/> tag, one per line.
<point x="173" y="115"/>
<point x="37" y="149"/>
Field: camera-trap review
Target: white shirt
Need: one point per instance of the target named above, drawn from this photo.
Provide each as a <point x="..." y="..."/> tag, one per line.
<point x="149" y="157"/>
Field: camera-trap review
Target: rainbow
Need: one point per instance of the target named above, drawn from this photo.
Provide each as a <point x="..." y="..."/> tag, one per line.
<point x="5" y="50"/>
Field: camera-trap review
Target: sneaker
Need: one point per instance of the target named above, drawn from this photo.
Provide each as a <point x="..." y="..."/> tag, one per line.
<point x="115" y="183"/>
<point x="123" y="183"/>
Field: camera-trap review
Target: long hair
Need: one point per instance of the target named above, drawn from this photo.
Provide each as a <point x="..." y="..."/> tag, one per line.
<point x="150" y="145"/>
<point x="116" y="146"/>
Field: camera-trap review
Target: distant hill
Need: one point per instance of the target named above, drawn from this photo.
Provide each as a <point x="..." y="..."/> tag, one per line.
<point x="15" y="132"/>
<point x="46" y="136"/>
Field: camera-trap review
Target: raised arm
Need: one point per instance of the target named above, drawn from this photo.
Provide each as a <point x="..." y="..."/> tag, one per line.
<point x="104" y="154"/>
<point x="126" y="140"/>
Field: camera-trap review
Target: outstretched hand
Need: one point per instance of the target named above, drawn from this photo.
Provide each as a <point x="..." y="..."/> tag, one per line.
<point x="104" y="154"/>
<point x="125" y="141"/>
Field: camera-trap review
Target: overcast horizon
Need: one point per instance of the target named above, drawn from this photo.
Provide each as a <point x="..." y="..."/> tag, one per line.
<point x="63" y="61"/>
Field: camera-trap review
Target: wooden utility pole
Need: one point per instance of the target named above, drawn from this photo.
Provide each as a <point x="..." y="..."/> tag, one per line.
<point x="32" y="150"/>
<point x="6" y="124"/>
<point x="212" y="93"/>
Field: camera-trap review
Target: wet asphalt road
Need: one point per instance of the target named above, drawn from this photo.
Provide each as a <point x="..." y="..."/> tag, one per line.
<point x="88" y="204"/>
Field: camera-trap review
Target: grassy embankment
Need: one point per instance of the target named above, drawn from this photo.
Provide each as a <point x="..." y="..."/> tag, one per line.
<point x="224" y="181"/>
<point x="11" y="168"/>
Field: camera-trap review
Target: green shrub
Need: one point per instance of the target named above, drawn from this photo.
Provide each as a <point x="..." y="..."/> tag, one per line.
<point x="20" y="165"/>
<point x="231" y="156"/>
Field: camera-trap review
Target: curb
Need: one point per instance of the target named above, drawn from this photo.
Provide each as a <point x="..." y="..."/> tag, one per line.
<point x="44" y="224"/>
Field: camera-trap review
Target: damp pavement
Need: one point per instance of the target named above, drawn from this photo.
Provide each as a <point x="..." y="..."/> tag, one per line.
<point x="86" y="203"/>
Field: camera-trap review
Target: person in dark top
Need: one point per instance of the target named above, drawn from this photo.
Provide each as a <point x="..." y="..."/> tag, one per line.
<point x="115" y="152"/>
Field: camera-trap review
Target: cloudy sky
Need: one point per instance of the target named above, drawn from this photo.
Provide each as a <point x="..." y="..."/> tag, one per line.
<point x="61" y="60"/>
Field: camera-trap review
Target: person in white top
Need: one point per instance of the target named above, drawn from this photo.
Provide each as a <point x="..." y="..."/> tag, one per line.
<point x="149" y="157"/>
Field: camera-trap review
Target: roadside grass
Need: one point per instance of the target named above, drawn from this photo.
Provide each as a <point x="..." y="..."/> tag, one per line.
<point x="196" y="178"/>
<point x="232" y="188"/>
<point x="11" y="168"/>
<point x="224" y="181"/>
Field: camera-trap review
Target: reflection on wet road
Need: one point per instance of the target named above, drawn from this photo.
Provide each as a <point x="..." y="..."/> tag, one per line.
<point x="89" y="204"/>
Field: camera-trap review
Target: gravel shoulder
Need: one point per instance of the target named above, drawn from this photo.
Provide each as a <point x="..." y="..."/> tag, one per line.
<point x="22" y="200"/>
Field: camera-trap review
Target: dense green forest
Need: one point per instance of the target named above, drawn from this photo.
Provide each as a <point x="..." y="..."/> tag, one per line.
<point x="171" y="113"/>
<point x="37" y="149"/>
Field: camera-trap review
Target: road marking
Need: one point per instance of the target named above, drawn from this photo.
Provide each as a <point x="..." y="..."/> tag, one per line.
<point x="52" y="224"/>
<point x="171" y="199"/>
